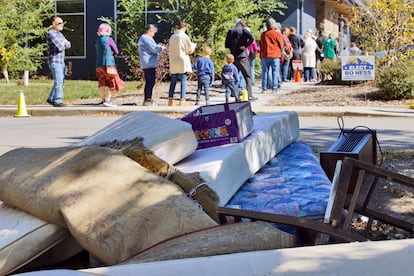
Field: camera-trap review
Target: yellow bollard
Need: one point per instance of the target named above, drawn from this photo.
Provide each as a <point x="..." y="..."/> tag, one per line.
<point x="21" y="107"/>
<point x="244" y="96"/>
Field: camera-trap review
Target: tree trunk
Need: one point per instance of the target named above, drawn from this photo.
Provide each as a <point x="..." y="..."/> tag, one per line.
<point x="26" y="78"/>
<point x="6" y="75"/>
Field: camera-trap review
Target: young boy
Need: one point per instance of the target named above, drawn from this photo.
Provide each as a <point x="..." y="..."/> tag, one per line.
<point x="229" y="77"/>
<point x="205" y="74"/>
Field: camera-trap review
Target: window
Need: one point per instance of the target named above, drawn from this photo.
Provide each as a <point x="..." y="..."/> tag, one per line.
<point x="73" y="14"/>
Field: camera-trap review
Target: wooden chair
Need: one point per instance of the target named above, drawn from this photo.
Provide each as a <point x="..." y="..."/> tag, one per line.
<point x="346" y="198"/>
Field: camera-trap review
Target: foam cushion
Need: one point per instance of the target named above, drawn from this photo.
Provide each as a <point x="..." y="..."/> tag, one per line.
<point x="225" y="168"/>
<point x="223" y="239"/>
<point x="23" y="237"/>
<point x="170" y="139"/>
<point x="111" y="205"/>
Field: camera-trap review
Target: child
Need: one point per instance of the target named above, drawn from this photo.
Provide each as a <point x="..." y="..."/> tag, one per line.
<point x="229" y="77"/>
<point x="205" y="74"/>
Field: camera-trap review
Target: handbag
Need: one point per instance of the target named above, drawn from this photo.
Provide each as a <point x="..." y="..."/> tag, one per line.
<point x="286" y="53"/>
<point x="111" y="71"/>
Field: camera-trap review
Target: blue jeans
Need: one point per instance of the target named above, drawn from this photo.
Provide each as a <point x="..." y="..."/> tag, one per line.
<point x="274" y="64"/>
<point x="203" y="82"/>
<point x="242" y="82"/>
<point x="285" y="70"/>
<point x="174" y="79"/>
<point x="309" y="73"/>
<point x="252" y="74"/>
<point x="58" y="72"/>
<point x="232" y="87"/>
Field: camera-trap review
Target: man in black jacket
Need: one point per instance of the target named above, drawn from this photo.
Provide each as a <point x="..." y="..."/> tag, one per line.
<point x="237" y="40"/>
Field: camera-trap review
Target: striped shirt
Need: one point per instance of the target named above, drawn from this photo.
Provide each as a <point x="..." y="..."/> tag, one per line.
<point x="55" y="49"/>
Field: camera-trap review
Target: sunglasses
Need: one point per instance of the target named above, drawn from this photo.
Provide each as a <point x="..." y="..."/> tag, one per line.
<point x="60" y="23"/>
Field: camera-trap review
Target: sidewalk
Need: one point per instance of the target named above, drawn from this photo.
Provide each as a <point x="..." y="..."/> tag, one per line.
<point x="258" y="106"/>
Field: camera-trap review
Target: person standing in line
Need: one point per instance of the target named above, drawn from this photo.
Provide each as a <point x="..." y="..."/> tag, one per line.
<point x="288" y="54"/>
<point x="271" y="44"/>
<point x="179" y="56"/>
<point x="105" y="50"/>
<point x="205" y="74"/>
<point x="309" y="57"/>
<point x="230" y="78"/>
<point x="253" y="50"/>
<point x="56" y="46"/>
<point x="149" y="52"/>
<point x="297" y="45"/>
<point x="329" y="47"/>
<point x="237" y="40"/>
<point x="320" y="40"/>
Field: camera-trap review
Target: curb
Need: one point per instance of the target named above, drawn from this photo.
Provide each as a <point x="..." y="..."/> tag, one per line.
<point x="10" y="111"/>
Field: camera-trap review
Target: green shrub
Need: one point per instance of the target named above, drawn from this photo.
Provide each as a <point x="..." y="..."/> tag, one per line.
<point x="331" y="71"/>
<point x="396" y="81"/>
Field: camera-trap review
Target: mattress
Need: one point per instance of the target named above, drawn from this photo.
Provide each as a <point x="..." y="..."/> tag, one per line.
<point x="225" y="168"/>
<point x="292" y="183"/>
<point x="170" y="139"/>
<point x="24" y="237"/>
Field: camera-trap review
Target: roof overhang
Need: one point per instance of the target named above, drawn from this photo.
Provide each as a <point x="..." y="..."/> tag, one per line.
<point x="345" y="7"/>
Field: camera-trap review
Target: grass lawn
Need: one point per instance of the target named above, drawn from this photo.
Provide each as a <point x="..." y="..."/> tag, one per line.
<point x="38" y="90"/>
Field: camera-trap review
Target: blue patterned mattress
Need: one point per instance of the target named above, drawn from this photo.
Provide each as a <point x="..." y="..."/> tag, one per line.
<point x="292" y="183"/>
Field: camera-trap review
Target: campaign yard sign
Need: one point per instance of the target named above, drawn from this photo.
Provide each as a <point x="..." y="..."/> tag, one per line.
<point x="358" y="68"/>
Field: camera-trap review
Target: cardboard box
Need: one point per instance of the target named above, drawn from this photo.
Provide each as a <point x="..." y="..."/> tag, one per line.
<point x="221" y="124"/>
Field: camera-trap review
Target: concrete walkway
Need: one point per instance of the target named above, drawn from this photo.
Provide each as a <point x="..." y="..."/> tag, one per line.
<point x="259" y="106"/>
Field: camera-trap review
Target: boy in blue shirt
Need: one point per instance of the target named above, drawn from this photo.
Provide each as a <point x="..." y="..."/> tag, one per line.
<point x="205" y="74"/>
<point x="229" y="77"/>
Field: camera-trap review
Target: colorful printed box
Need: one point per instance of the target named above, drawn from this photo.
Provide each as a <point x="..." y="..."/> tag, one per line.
<point x="221" y="124"/>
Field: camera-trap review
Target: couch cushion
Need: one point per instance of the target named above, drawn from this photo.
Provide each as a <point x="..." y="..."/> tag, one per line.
<point x="223" y="239"/>
<point x="113" y="207"/>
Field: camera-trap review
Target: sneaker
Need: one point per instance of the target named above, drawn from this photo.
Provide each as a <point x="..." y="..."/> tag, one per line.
<point x="149" y="103"/>
<point x="184" y="102"/>
<point x="197" y="102"/>
<point x="109" y="104"/>
<point x="252" y="98"/>
<point x="59" y="105"/>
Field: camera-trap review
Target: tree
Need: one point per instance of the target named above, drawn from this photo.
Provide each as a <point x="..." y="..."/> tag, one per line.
<point x="21" y="24"/>
<point x="388" y="26"/>
<point x="385" y="25"/>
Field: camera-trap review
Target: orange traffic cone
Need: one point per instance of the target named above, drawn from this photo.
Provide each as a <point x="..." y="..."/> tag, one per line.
<point x="297" y="75"/>
<point x="21" y="107"/>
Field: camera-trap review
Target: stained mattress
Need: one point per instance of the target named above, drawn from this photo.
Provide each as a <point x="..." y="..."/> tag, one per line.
<point x="292" y="183"/>
<point x="225" y="168"/>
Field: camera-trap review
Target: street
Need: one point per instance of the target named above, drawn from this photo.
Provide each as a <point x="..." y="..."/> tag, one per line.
<point x="319" y="132"/>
